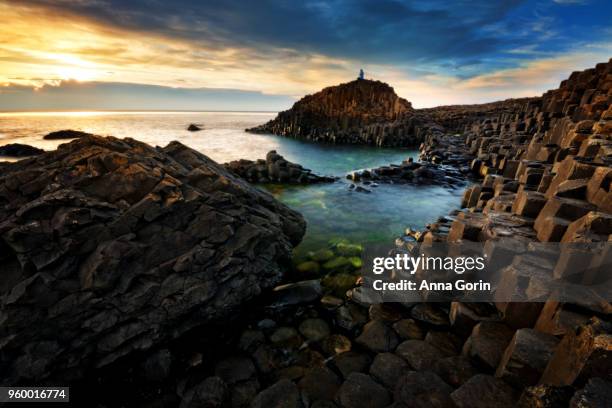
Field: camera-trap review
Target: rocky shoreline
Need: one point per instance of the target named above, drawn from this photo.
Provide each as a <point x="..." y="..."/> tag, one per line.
<point x="166" y="273"/>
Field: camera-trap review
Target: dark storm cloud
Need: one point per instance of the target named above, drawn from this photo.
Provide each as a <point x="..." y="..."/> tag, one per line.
<point x="382" y="31"/>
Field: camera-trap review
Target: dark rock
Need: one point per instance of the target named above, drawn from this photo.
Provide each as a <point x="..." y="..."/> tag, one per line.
<point x="352" y="362"/>
<point x="455" y="370"/>
<point x="377" y="337"/>
<point x="487" y="343"/>
<point x="157" y="366"/>
<point x="429" y="314"/>
<point x="419" y="354"/>
<point x="297" y="293"/>
<point x="66" y="134"/>
<point x="119" y="244"/>
<point x="19" y="150"/>
<point x="194" y="128"/>
<point x="387" y="368"/>
<point x="484" y="391"/>
<point x="408" y="329"/>
<point x="283" y="394"/>
<point x="360" y="391"/>
<point x="314" y="329"/>
<point x="210" y="393"/>
<point x="235" y="369"/>
<point x="319" y="383"/>
<point x="526" y="357"/>
<point x="423" y="389"/>
<point x="545" y="396"/>
<point x="596" y="394"/>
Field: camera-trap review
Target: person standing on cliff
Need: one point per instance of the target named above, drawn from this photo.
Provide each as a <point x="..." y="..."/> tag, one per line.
<point x="361" y="74"/>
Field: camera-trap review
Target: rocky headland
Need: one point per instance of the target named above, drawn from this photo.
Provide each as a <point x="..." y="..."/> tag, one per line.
<point x="358" y="112"/>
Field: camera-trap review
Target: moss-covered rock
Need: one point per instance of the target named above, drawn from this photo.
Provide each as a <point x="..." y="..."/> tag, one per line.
<point x="337" y="263"/>
<point x="339" y="283"/>
<point x="346" y="249"/>
<point x="355" y="262"/>
<point x="308" y="268"/>
<point x="322" y="255"/>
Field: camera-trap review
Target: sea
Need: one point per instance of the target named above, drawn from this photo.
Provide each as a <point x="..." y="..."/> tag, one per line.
<point x="332" y="211"/>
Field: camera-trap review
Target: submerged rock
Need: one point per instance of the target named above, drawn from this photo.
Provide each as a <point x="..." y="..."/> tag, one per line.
<point x="19" y="150"/>
<point x="125" y="247"/>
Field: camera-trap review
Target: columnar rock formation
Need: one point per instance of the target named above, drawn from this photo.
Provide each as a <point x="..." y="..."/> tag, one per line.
<point x="358" y="112"/>
<point x="111" y="247"/>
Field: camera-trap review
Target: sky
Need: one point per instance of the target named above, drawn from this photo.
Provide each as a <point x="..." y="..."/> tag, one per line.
<point x="266" y="54"/>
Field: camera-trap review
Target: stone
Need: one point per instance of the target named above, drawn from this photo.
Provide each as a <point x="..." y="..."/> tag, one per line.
<point x="556" y="215"/>
<point x="157" y="366"/>
<point x="19" y="150"/>
<point x="127" y="241"/>
<point x="235" y="369"/>
<point x="464" y="316"/>
<point x="455" y="370"/>
<point x="422" y="389"/>
<point x="526" y="357"/>
<point x="193" y="127"/>
<point x="582" y="354"/>
<point x="350" y="316"/>
<point x="598" y="189"/>
<point x="596" y="394"/>
<point x="487" y="343"/>
<point x="360" y="391"/>
<point x="282" y="394"/>
<point x="377" y="337"/>
<point x="430" y="314"/>
<point x="286" y="336"/>
<point x="595" y="226"/>
<point x="336" y="264"/>
<point x="323" y="255"/>
<point x="66" y="134"/>
<point x="483" y="391"/>
<point x="319" y="383"/>
<point x="528" y="203"/>
<point x="545" y="396"/>
<point x="387" y="368"/>
<point x="314" y="329"/>
<point x="448" y="342"/>
<point x="243" y="393"/>
<point x="297" y="293"/>
<point x="408" y="329"/>
<point x="419" y="354"/>
<point x="336" y="344"/>
<point x="210" y="393"/>
<point x="351" y="362"/>
<point x="385" y="312"/>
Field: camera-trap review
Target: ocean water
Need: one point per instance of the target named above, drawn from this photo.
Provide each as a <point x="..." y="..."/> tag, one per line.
<point x="331" y="210"/>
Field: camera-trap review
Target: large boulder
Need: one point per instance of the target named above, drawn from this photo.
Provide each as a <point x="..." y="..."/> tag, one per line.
<point x="111" y="246"/>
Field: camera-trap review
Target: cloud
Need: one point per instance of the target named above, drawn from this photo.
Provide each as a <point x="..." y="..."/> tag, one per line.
<point x="73" y="95"/>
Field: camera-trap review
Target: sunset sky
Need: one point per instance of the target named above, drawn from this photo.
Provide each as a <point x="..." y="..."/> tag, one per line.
<point x="262" y="55"/>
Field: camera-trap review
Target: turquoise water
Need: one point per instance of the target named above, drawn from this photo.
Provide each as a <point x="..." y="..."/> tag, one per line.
<point x="331" y="210"/>
<point x="335" y="211"/>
